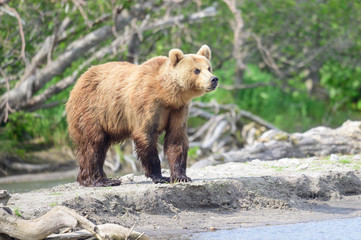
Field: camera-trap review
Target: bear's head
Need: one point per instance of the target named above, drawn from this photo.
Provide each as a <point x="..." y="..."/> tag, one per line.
<point x="192" y="72"/>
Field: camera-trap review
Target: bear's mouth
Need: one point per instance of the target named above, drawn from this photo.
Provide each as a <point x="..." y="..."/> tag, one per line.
<point x="210" y="89"/>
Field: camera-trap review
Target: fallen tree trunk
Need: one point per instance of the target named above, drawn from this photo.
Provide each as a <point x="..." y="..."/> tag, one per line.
<point x="276" y="144"/>
<point x="57" y="218"/>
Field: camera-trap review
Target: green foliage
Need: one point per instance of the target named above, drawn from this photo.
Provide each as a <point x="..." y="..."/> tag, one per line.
<point x="343" y="84"/>
<point x="225" y="76"/>
<point x="275" y="104"/>
<point x="326" y="32"/>
<point x="192" y="153"/>
<point x="18" y="127"/>
<point x="46" y="126"/>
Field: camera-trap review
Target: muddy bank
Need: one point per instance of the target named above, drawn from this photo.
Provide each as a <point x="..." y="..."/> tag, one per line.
<point x="226" y="196"/>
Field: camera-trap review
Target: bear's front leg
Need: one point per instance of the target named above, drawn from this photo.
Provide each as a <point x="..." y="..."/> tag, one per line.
<point x="147" y="153"/>
<point x="176" y="152"/>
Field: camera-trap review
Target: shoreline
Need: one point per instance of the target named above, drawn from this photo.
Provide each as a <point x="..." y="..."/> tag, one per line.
<point x="227" y="196"/>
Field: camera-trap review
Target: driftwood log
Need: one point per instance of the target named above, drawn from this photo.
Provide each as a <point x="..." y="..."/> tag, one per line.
<point x="57" y="218"/>
<point x="276" y="144"/>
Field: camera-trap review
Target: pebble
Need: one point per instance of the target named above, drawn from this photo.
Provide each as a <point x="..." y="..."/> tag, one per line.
<point x="333" y="158"/>
<point x="255" y="162"/>
<point x="4" y="197"/>
<point x="127" y="178"/>
<point x="3" y="193"/>
<point x="303" y="166"/>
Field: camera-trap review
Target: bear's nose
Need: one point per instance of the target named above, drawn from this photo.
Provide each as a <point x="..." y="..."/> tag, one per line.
<point x="214" y="81"/>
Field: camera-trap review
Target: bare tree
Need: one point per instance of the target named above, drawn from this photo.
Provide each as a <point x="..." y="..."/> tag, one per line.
<point x="129" y="25"/>
<point x="239" y="36"/>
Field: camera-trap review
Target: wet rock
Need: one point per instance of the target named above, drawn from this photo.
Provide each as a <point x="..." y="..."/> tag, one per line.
<point x="4" y="197"/>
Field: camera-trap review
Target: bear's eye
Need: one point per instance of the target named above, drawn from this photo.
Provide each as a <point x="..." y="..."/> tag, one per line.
<point x="197" y="71"/>
<point x="209" y="69"/>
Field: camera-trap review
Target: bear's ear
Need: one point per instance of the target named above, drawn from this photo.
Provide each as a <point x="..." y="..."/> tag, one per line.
<point x="205" y="51"/>
<point x="175" y="55"/>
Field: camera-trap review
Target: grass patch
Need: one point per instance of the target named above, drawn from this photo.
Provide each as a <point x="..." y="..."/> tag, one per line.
<point x="17" y="212"/>
<point x="278" y="169"/>
<point x="344" y="161"/>
<point x="356" y="167"/>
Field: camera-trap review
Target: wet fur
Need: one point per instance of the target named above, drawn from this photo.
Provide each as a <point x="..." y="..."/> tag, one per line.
<point x="118" y="100"/>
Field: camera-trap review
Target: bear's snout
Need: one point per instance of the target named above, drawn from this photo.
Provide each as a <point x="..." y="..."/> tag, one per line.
<point x="214" y="82"/>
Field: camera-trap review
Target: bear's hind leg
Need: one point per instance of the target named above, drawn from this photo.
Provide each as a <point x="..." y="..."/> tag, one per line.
<point x="91" y="156"/>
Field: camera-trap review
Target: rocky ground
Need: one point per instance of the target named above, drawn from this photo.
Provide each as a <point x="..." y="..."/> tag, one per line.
<point x="230" y="195"/>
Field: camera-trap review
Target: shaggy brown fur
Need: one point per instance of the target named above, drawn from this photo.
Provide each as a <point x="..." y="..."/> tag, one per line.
<point x="118" y="100"/>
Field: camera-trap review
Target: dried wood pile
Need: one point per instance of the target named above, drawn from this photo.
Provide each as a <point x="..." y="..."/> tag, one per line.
<point x="225" y="133"/>
<point x="224" y="127"/>
<point x="256" y="143"/>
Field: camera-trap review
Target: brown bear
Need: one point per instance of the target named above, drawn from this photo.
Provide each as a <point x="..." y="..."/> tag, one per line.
<point x="119" y="100"/>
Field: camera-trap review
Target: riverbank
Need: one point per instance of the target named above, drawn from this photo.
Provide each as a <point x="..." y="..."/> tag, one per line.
<point x="226" y="196"/>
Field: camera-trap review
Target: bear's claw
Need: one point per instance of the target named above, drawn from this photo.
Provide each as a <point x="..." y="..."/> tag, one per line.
<point x="161" y="179"/>
<point x="181" y="179"/>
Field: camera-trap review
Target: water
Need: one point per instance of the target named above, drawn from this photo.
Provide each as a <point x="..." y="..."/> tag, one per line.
<point x="22" y="187"/>
<point x="329" y="230"/>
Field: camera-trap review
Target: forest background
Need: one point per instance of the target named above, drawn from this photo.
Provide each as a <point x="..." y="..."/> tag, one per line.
<point x="294" y="63"/>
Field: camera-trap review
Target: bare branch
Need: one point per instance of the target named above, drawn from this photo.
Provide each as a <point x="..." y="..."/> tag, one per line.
<point x="223" y="123"/>
<point x="46" y="47"/>
<point x="257" y="119"/>
<point x="266" y="55"/>
<point x="117" y="45"/>
<point x="234" y="107"/>
<point x="8" y="79"/>
<point x="78" y="4"/>
<point x="238" y="37"/>
<point x="37" y="80"/>
<point x="53" y="43"/>
<point x="7" y="106"/>
<point x="22" y="54"/>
